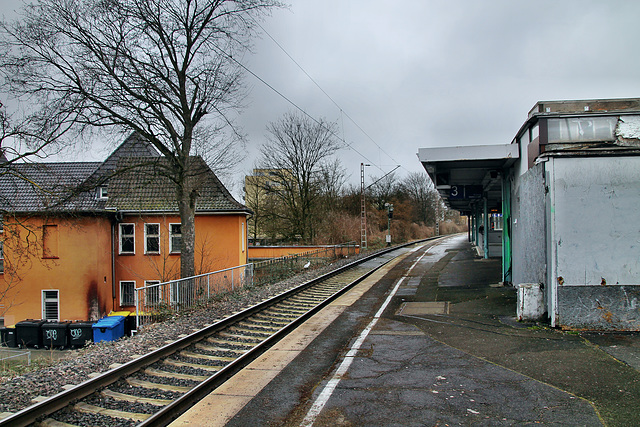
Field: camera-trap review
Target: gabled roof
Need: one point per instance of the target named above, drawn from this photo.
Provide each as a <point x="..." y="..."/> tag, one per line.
<point x="29" y="187"/>
<point x="143" y="186"/>
<point x="135" y="175"/>
<point x="133" y="146"/>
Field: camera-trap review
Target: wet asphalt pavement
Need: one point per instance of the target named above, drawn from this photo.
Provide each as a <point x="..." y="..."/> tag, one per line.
<point x="448" y="351"/>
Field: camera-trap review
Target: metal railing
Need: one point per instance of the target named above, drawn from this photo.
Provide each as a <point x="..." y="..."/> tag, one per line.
<point x="155" y="302"/>
<point x="14" y="354"/>
<point x="276" y="269"/>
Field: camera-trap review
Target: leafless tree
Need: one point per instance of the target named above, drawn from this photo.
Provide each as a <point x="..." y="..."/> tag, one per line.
<point x="164" y="68"/>
<point x="422" y="195"/>
<point x="296" y="152"/>
<point x="383" y="190"/>
<point x="332" y="178"/>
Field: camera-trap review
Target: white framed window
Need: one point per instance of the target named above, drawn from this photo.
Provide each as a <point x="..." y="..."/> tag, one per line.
<point x="152" y="238"/>
<point x="175" y="238"/>
<point x="152" y="294"/>
<point x="127" y="293"/>
<point x="127" y="238"/>
<point x="51" y="305"/>
<point x="102" y="192"/>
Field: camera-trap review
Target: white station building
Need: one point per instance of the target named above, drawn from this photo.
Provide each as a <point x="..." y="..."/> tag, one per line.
<point x="560" y="205"/>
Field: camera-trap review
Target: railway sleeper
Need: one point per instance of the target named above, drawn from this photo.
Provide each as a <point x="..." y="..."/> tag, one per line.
<point x="291" y="308"/>
<point x="50" y="422"/>
<point x="208" y="357"/>
<point x="245" y="324"/>
<point x="308" y="300"/>
<point x="267" y="320"/>
<point x="134" y="399"/>
<point x="250" y="332"/>
<point x="192" y="365"/>
<point x="92" y="409"/>
<point x="252" y="338"/>
<point x="296" y="303"/>
<point x="151" y="385"/>
<point x="282" y="313"/>
<point x="221" y="341"/>
<point x="212" y="348"/>
<point x="324" y="294"/>
<point x="166" y="374"/>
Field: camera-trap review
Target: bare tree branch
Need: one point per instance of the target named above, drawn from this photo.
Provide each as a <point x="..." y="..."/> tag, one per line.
<point x="161" y="68"/>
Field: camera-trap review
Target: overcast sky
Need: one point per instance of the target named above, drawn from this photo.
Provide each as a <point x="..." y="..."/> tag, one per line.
<point x="427" y="73"/>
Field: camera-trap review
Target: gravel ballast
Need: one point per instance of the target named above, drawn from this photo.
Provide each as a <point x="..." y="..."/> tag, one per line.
<point x="17" y="392"/>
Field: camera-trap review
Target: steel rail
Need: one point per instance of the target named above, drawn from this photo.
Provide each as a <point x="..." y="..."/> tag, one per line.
<point x="31" y="414"/>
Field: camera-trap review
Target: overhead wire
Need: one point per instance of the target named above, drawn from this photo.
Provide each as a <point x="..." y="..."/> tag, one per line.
<point x="342" y="112"/>
<point x="248" y="70"/>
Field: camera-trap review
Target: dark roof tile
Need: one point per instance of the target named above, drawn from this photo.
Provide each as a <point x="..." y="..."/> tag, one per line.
<point x="134" y="173"/>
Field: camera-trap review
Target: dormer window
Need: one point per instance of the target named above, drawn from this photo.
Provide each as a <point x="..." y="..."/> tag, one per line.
<point x="102" y="193"/>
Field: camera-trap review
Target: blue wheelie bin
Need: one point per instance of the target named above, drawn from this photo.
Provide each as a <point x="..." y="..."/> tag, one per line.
<point x="110" y="328"/>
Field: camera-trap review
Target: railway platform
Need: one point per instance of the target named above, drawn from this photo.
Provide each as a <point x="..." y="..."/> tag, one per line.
<point x="431" y="339"/>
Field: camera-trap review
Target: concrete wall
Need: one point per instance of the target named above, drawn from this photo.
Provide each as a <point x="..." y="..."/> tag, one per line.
<point x="528" y="227"/>
<point x="599" y="307"/>
<point x="595" y="241"/>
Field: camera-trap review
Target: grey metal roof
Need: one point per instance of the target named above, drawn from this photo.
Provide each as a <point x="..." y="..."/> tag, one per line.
<point x="135" y="175"/>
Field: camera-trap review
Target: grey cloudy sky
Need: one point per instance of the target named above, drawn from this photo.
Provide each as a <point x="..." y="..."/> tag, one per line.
<point x="425" y="73"/>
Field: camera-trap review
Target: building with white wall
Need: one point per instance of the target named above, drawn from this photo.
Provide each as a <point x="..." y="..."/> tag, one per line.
<point x="567" y="189"/>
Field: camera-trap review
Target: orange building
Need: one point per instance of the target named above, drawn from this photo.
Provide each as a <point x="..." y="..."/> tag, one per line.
<point x="78" y="237"/>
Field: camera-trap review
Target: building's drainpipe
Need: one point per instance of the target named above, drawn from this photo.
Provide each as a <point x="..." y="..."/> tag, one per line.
<point x="113" y="264"/>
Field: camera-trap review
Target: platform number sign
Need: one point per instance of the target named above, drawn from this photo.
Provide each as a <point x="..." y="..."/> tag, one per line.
<point x="465" y="192"/>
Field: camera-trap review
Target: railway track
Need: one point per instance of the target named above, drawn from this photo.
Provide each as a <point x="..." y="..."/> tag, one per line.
<point x="157" y="387"/>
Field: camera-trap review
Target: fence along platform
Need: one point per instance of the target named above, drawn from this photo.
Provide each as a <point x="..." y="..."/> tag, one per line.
<point x="155" y="301"/>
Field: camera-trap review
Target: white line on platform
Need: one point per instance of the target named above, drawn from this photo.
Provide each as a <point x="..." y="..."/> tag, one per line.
<point x="328" y="389"/>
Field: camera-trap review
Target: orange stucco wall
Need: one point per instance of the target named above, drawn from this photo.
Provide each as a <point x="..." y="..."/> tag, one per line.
<point x="81" y="265"/>
<point x="219" y="245"/>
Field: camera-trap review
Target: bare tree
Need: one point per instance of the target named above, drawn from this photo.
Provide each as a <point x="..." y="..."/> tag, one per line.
<point x="383" y="190"/>
<point x="297" y="150"/>
<point x="162" y="68"/>
<point x="422" y="195"/>
<point x="332" y="177"/>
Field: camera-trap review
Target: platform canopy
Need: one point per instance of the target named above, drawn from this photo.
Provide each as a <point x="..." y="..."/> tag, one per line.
<point x="465" y="174"/>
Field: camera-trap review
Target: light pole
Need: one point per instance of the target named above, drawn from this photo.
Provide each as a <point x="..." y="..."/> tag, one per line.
<point x="389" y="207"/>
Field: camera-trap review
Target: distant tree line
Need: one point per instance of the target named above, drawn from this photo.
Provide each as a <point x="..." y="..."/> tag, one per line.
<point x="298" y="193"/>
